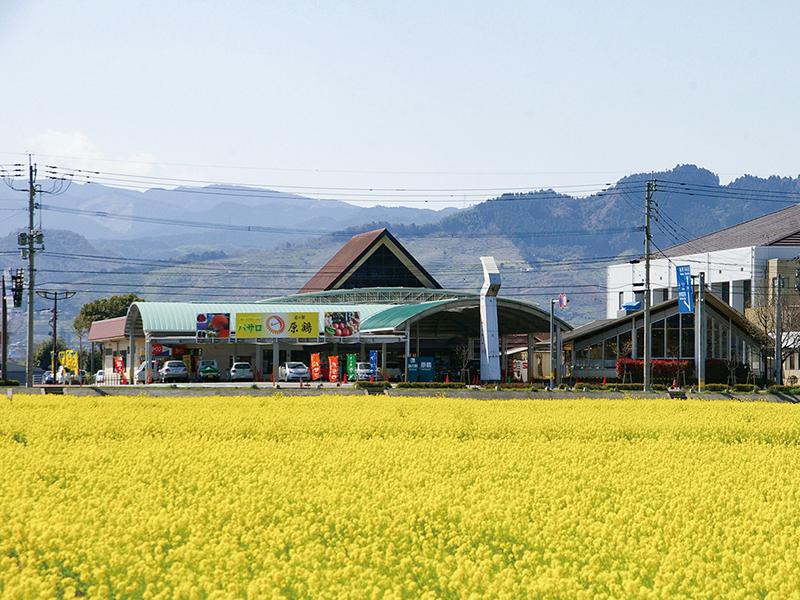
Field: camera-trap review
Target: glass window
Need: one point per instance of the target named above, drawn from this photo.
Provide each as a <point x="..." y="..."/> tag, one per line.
<point x="658" y="339"/>
<point x="724" y="346"/>
<point x="621" y="299"/>
<point x="625" y="344"/>
<point x="709" y="338"/>
<point x="673" y="336"/>
<point x="610" y="348"/>
<point x="595" y="352"/>
<point x="725" y="289"/>
<point x="639" y="342"/>
<point x="748" y="291"/>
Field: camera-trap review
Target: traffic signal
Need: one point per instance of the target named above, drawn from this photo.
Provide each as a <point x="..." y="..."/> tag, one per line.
<point x="17" y="284"/>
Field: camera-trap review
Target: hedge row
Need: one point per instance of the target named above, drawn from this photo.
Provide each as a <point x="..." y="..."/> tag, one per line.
<point x="430" y="385"/>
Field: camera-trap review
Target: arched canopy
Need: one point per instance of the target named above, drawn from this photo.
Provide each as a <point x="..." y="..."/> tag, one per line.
<point x="458" y="316"/>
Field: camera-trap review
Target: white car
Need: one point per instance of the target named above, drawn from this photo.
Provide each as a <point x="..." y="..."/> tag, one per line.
<point x="293" y="371"/>
<point x="364" y="371"/>
<point x="141" y="375"/>
<point x="173" y="370"/>
<point x="100" y="377"/>
<point x="241" y="371"/>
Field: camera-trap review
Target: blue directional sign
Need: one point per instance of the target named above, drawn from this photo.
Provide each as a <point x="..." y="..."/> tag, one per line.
<point x="373" y="361"/>
<point x="685" y="294"/>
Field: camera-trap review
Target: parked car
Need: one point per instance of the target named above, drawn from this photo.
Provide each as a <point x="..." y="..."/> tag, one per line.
<point x="393" y="372"/>
<point x="173" y="370"/>
<point x="364" y="371"/>
<point x="100" y="376"/>
<point x="208" y="370"/>
<point x="241" y="371"/>
<point x="47" y="378"/>
<point x="141" y="375"/>
<point x="293" y="371"/>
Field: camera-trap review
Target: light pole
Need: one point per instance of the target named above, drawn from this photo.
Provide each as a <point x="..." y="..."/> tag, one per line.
<point x="562" y="302"/>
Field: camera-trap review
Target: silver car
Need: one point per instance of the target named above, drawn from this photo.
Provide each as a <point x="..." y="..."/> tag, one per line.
<point x="241" y="371"/>
<point x="293" y="371"/>
<point x="173" y="370"/>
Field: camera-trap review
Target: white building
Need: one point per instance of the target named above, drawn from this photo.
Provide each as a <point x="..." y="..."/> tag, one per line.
<point x="739" y="263"/>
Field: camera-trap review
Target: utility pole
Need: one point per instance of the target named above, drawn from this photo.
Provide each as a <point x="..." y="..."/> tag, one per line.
<point x="648" y="348"/>
<point x="55" y="297"/>
<point x="30" y="253"/>
<point x="778" y="283"/>
<point x="4" y="356"/>
<point x="700" y="334"/>
<point x="552" y="345"/>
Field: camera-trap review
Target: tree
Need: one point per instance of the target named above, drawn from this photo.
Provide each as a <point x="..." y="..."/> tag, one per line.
<point x="103" y="308"/>
<point x="42" y="353"/>
<point x="763" y="317"/>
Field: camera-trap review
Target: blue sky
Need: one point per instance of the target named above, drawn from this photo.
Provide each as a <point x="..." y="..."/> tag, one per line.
<point x="412" y="94"/>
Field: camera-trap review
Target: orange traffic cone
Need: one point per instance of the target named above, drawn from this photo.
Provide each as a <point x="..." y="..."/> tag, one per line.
<point x="674" y="385"/>
<point x="604" y="380"/>
<point x="447" y="377"/>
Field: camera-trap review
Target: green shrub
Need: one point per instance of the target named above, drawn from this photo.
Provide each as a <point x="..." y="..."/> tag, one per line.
<point x="715" y="387"/>
<point x="430" y="385"/>
<point x="634" y="387"/>
<point x="8" y="382"/>
<point x="781" y="389"/>
<point x="745" y="387"/>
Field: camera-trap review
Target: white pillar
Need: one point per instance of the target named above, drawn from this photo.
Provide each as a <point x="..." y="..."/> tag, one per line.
<point x="276" y="357"/>
<point x="407" y="351"/>
<point x="132" y="358"/>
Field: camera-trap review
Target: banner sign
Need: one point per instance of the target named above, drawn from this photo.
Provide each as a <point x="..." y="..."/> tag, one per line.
<point x="213" y="326"/>
<point x="68" y="358"/>
<point x="316" y="367"/>
<point x="341" y="324"/>
<point x="277" y="325"/>
<point x="333" y="369"/>
<point x="685" y="292"/>
<point x="352" y="362"/>
<point x="119" y="365"/>
<point x="373" y="362"/>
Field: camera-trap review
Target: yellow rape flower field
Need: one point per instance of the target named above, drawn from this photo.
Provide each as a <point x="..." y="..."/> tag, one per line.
<point x="363" y="496"/>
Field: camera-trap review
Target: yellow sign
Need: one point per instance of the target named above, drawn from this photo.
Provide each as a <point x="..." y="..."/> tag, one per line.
<point x="277" y="325"/>
<point x="250" y="325"/>
<point x="69" y="358"/>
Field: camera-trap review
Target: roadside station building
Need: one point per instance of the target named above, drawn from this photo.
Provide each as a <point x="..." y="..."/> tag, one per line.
<point x="371" y="296"/>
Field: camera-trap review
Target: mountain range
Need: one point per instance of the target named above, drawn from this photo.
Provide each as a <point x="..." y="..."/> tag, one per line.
<point x="104" y="240"/>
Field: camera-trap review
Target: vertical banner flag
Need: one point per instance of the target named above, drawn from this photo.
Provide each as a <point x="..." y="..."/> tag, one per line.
<point x="373" y="362"/>
<point x="316" y="368"/>
<point x="685" y="294"/>
<point x="352" y="361"/>
<point x="333" y="369"/>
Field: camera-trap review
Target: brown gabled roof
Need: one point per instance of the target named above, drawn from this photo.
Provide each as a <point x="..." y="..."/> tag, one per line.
<point x="107" y="329"/>
<point x="341" y="262"/>
<point x="779" y="228"/>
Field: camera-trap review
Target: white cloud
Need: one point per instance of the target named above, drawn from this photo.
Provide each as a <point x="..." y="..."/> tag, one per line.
<point x="75" y="149"/>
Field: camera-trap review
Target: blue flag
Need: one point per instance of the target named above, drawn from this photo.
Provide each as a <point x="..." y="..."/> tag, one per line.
<point x="373" y="361"/>
<point x="685" y="293"/>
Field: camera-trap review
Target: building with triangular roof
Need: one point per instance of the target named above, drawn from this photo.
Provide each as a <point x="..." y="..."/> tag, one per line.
<point x="373" y="259"/>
